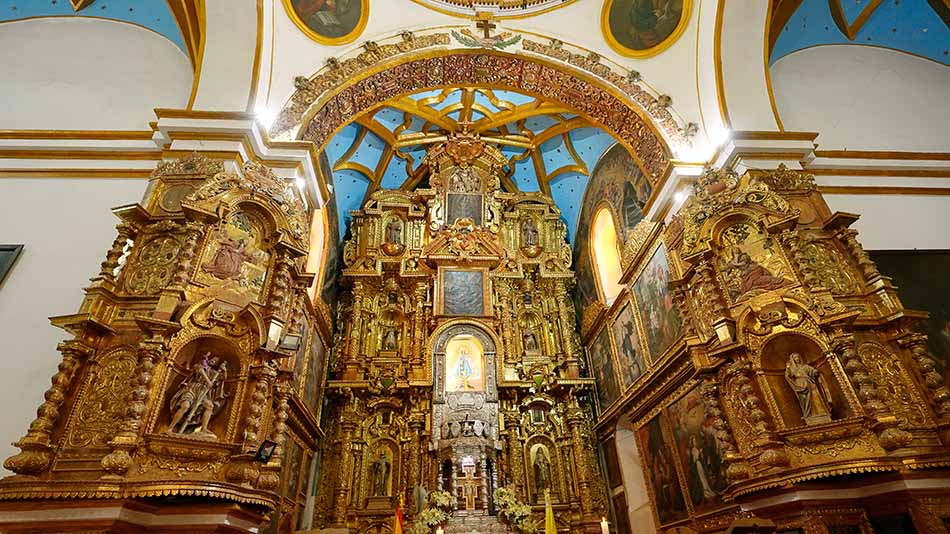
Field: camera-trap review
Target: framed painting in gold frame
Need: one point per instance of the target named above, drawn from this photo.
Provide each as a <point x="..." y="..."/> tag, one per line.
<point x="643" y="28"/>
<point x="329" y="22"/>
<point x="463" y="292"/>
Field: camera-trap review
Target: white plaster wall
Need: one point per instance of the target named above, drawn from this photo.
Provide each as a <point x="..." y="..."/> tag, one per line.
<point x="78" y="73"/>
<point x="227" y="66"/>
<point x="864" y="98"/>
<point x="898" y="222"/>
<point x="66" y="227"/>
<point x="635" y="486"/>
<point x="743" y="65"/>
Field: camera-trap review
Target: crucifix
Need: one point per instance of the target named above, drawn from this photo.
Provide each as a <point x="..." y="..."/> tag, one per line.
<point x="485" y="23"/>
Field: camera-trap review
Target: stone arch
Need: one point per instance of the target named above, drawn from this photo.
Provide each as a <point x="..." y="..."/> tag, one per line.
<point x="329" y="100"/>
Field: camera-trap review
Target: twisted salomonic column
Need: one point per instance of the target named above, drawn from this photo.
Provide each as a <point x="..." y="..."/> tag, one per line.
<point x="576" y="420"/>
<point x="117" y="462"/>
<point x="341" y="493"/>
<point x="36" y="451"/>
<point x="107" y="270"/>
<point x="516" y="454"/>
<point x="917" y="343"/>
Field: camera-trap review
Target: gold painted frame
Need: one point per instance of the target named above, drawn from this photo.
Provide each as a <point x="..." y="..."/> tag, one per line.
<point x="331" y="41"/>
<point x="648" y="52"/>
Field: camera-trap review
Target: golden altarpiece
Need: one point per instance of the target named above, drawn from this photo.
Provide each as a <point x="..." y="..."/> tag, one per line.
<point x="181" y="365"/>
<point x="794" y="390"/>
<point x="457" y="365"/>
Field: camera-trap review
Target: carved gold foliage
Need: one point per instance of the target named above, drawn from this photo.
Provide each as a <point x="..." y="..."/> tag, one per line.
<point x="830" y="267"/>
<point x="897" y="390"/>
<point x="179" y="466"/>
<point x="103" y="405"/>
<point x="153" y="266"/>
<point x="192" y="165"/>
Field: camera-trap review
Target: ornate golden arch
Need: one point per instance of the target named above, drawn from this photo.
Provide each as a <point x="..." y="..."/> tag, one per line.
<point x="332" y="99"/>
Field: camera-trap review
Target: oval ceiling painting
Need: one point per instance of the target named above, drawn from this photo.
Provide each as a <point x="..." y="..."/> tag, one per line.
<point x="331" y="22"/>
<point x="643" y="28"/>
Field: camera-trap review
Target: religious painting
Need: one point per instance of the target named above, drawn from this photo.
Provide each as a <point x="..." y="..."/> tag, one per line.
<point x="661" y="318"/>
<point x="293" y="473"/>
<point x="463" y="206"/>
<point x="627" y="341"/>
<point x="618" y="180"/>
<point x="303" y="351"/>
<point x="657" y="456"/>
<point x="463" y="293"/>
<point x="330" y="286"/>
<point x="602" y="364"/>
<point x="922" y="282"/>
<point x="612" y="463"/>
<point x="698" y="449"/>
<point x="315" y="369"/>
<point x="751" y="264"/>
<point x="643" y="28"/>
<point x="8" y="255"/>
<point x="464" y="364"/>
<point x="234" y="264"/>
<point x="331" y="22"/>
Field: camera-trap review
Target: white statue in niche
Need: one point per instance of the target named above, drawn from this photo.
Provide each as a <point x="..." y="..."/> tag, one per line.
<point x="810" y="389"/>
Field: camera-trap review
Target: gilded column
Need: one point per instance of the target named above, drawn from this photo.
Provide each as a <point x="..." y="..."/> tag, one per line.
<point x="350" y="365"/>
<point x="917" y="343"/>
<point x="505" y="309"/>
<point x="418" y="326"/>
<point x="850" y="238"/>
<point x="575" y="420"/>
<point x="342" y="490"/>
<point x="416" y="425"/>
<point x="736" y="468"/>
<point x="117" y="462"/>
<point x="885" y="425"/>
<point x="280" y="293"/>
<point x="111" y="263"/>
<point x="746" y="397"/>
<point x="186" y="256"/>
<point x="516" y="452"/>
<point x="36" y="451"/>
<point x="570" y="344"/>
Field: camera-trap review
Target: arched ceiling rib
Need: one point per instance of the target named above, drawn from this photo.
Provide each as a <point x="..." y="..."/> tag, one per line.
<point x="549" y="148"/>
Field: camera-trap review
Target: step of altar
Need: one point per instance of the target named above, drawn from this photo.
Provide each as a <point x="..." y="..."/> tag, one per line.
<point x="474" y="524"/>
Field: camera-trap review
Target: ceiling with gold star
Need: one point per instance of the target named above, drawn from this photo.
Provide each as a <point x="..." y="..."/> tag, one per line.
<point x="549" y="148"/>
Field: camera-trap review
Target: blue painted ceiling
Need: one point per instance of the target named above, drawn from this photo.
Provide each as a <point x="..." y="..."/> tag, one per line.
<point x="152" y="14"/>
<point x="548" y="147"/>
<point x="919" y="27"/>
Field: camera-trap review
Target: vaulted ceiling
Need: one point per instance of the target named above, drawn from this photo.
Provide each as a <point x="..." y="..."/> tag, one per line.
<point x="919" y="27"/>
<point x="549" y="148"/>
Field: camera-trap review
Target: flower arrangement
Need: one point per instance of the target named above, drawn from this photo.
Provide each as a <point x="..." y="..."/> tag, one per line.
<point x="516" y="513"/>
<point x="439" y="506"/>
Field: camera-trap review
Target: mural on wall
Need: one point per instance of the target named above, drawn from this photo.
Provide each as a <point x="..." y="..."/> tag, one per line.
<point x="698" y="450"/>
<point x="921" y="280"/>
<point x="618" y="180"/>
<point x="329" y="21"/>
<point x="642" y="28"/>
<point x="656" y="452"/>
<point x="602" y="364"/>
<point x="660" y="317"/>
<point x="627" y="340"/>
<point x="330" y="286"/>
<point x="751" y="265"/>
<point x="234" y="264"/>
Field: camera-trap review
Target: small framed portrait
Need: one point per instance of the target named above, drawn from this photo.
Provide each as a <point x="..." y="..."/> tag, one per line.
<point x="329" y="22"/>
<point x="643" y="28"/>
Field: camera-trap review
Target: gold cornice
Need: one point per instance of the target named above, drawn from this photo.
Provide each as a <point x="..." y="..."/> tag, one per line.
<point x="109" y="135"/>
<point x="883" y="190"/>
<point x="717" y="63"/>
<point x="258" y="51"/>
<point x="496" y="16"/>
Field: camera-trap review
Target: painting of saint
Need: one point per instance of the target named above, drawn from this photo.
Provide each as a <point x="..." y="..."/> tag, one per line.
<point x="629" y="357"/>
<point x="330" y="286"/>
<point x="661" y="318"/>
<point x="618" y="180"/>
<point x="601" y="363"/>
<point x="234" y="266"/>
<point x="315" y="370"/>
<point x="657" y="456"/>
<point x="329" y="21"/>
<point x="750" y="265"/>
<point x="699" y="451"/>
<point x="463" y="293"/>
<point x="464" y="364"/>
<point x="638" y="28"/>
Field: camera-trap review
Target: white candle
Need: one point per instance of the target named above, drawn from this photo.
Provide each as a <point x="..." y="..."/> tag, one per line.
<point x="439" y="530"/>
<point x="604" y="527"/>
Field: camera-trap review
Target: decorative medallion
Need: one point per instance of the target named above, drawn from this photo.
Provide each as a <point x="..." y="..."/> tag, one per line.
<point x="499" y="9"/>
<point x="329" y="22"/>
<point x="643" y="28"/>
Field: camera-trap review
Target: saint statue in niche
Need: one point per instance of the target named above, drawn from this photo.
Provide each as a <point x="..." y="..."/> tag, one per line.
<point x="199" y="397"/>
<point x="810" y="389"/>
<point x="464" y="369"/>
<point x="529" y="234"/>
<point x="542" y="469"/>
<point x="390" y="338"/>
<point x="379" y="472"/>
<point x="394" y="232"/>
<point x="530" y="342"/>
